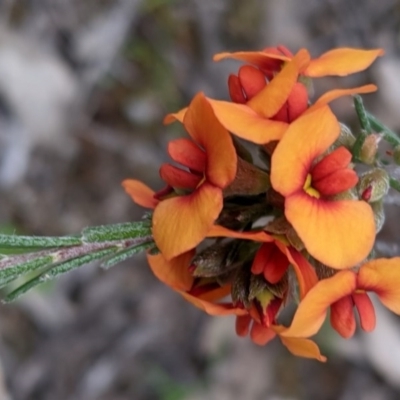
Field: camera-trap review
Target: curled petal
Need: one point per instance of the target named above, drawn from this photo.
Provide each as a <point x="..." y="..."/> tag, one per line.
<point x="337" y="93"/>
<point x="244" y="122"/>
<point x="174" y="273"/>
<point x="242" y="325"/>
<point x="205" y="129"/>
<point x="342" y="62"/>
<point x="259" y="58"/>
<point x="172" y="117"/>
<point x="213" y="308"/>
<point x="305" y="272"/>
<point x="306" y="138"/>
<point x="303" y="348"/>
<point x="257" y="236"/>
<point x="339" y="234"/>
<point x="382" y="276"/>
<point x="312" y="310"/>
<point x="181" y="223"/>
<point x="141" y="194"/>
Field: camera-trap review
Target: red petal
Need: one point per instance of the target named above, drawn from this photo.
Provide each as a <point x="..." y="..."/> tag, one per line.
<point x="178" y="178"/>
<point x="235" y="90"/>
<point x="338" y="159"/>
<point x="187" y="153"/>
<point x="337" y="182"/>
<point x="242" y="325"/>
<point x="260" y="334"/>
<point x="365" y="310"/>
<point x="252" y="80"/>
<point x="342" y="317"/>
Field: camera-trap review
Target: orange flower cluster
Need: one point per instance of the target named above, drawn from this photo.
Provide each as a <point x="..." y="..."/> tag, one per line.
<point x="241" y="237"/>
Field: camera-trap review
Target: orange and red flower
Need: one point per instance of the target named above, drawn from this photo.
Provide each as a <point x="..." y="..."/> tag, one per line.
<point x="339" y="233"/>
<point x="344" y="291"/>
<point x="338" y="62"/>
<point x="181" y="222"/>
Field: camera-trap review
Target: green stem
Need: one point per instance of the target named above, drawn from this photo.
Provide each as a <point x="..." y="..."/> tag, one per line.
<point x="362" y="114"/>
<point x="390" y="136"/>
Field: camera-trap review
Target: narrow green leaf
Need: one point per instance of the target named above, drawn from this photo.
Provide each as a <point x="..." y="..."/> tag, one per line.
<point x="362" y="114"/>
<point x="105" y="233"/>
<point x="16" y="241"/>
<point x="125" y="254"/>
<point x="23" y="268"/>
<point x="58" y="269"/>
<point x="356" y="149"/>
<point x="390" y="136"/>
<point x="69" y="265"/>
<point x="394" y="184"/>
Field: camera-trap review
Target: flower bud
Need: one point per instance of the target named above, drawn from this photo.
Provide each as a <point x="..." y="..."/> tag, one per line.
<point x="238" y="216"/>
<point x="267" y="298"/>
<point x="211" y="261"/>
<point x="370" y="148"/>
<point x="346" y="137"/>
<point x="373" y="185"/>
<point x="379" y="214"/>
<point x="249" y="180"/>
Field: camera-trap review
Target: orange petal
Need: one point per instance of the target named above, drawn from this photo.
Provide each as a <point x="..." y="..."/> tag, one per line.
<point x="339" y="234"/>
<point x="307" y="137"/>
<point x="181" y="223"/>
<point x="216" y="294"/>
<point x="174" y="273"/>
<point x="312" y="310"/>
<point x="382" y="276"/>
<point x="259" y="58"/>
<point x="187" y="153"/>
<point x="257" y="236"/>
<point x="303" y="348"/>
<point x="271" y="99"/>
<point x="141" y="194"/>
<point x="342" y="317"/>
<point x="336" y="93"/>
<point x="213" y="308"/>
<point x="205" y="129"/>
<point x="179" y="178"/>
<point x="342" y="62"/>
<point x="305" y="272"/>
<point x="172" y="117"/>
<point x="242" y="121"/>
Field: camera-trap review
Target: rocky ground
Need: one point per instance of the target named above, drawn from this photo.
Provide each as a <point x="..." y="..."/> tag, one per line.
<point x="84" y="86"/>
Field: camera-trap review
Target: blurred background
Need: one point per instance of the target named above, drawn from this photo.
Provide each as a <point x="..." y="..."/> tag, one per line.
<point x="84" y="86"/>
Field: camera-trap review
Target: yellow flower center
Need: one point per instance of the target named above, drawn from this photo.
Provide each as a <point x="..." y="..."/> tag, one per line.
<point x="309" y="189"/>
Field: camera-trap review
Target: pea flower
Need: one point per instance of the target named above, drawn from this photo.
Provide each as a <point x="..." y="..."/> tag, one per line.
<point x="180" y="222"/>
<point x="344" y="291"/>
<point x="338" y="233"/>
